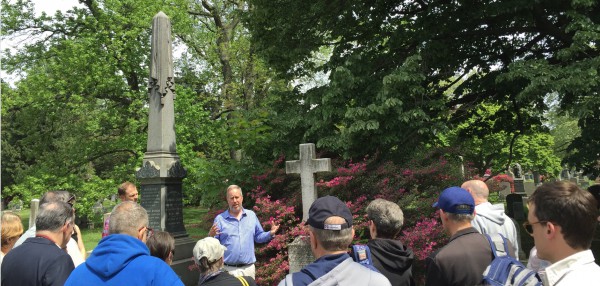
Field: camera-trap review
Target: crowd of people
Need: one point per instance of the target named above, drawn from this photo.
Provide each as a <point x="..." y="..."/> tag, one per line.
<point x="562" y="219"/>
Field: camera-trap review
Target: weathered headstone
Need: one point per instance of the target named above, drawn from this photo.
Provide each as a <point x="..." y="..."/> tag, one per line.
<point x="528" y="187"/>
<point x="536" y="178"/>
<point x="307" y="166"/>
<point x="299" y="251"/>
<point x="505" y="191"/>
<point x="33" y="211"/>
<point x="574" y="180"/>
<point x="519" y="186"/>
<point x="162" y="173"/>
<point x="564" y="174"/>
<point x="515" y="207"/>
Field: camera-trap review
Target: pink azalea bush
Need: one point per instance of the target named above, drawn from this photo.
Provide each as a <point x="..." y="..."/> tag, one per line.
<point x="414" y="185"/>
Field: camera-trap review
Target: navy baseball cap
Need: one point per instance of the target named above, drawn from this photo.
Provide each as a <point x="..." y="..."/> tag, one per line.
<point x="326" y="207"/>
<point x="456" y="200"/>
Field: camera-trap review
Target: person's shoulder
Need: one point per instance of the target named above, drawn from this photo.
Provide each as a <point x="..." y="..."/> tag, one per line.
<point x="359" y="271"/>
<point x="249" y="280"/>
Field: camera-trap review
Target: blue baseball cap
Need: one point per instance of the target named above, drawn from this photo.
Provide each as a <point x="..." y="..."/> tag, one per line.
<point x="456" y="200"/>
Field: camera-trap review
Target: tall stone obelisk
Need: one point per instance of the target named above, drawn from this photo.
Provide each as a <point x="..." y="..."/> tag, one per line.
<point x="161" y="173"/>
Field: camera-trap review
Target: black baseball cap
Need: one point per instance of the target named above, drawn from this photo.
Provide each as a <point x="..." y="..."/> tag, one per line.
<point x="326" y="207"/>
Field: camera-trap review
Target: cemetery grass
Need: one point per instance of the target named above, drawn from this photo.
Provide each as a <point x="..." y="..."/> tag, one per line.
<point x="192" y="217"/>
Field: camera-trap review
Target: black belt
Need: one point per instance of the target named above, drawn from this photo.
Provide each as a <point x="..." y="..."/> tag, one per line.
<point x="238" y="265"/>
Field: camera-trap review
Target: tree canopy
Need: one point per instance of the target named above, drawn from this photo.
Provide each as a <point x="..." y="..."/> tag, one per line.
<point x="401" y="72"/>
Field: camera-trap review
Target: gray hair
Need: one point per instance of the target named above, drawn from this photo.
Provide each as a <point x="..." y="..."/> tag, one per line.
<point x="460" y="217"/>
<point x="387" y="217"/>
<point x="333" y="240"/>
<point x="127" y="218"/>
<point x="234" y="187"/>
<point x="53" y="216"/>
<point x="207" y="267"/>
<point x="55" y="196"/>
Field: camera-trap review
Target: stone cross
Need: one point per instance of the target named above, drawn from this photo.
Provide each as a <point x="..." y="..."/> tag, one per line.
<point x="307" y="166"/>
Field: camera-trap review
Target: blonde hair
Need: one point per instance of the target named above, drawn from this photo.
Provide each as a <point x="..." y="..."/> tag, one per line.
<point x="11" y="227"/>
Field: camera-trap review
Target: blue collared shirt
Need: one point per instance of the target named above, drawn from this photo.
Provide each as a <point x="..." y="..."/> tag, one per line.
<point x="239" y="236"/>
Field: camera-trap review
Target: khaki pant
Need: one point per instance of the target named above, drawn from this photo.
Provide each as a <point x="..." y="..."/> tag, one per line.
<point x="248" y="270"/>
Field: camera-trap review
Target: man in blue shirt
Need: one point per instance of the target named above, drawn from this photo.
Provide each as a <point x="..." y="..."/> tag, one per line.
<point x="237" y="229"/>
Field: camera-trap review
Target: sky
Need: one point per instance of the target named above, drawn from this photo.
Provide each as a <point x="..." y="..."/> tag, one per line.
<point x="48" y="6"/>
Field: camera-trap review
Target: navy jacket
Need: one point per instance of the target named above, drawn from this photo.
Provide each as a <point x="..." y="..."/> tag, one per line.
<point x="38" y="261"/>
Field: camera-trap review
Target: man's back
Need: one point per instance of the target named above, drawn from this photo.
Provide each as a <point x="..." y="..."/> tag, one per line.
<point x="491" y="219"/>
<point x="38" y="261"/>
<point x="335" y="270"/>
<point x="462" y="261"/>
<point x="393" y="259"/>
<point x="123" y="260"/>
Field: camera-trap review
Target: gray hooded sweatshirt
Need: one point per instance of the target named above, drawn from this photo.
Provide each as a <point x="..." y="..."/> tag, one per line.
<point x="491" y="219"/>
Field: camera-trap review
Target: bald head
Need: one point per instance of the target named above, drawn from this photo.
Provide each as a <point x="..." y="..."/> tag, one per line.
<point x="478" y="190"/>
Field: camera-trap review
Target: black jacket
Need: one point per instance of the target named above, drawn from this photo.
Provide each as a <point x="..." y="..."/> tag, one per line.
<point x="393" y="260"/>
<point x="462" y="261"/>
<point x="38" y="261"/>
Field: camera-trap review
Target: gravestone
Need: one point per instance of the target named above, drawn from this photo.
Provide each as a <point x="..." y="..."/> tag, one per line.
<point x="536" y="178"/>
<point x="564" y="174"/>
<point x="515" y="207"/>
<point x="504" y="191"/>
<point x="162" y="173"/>
<point x="519" y="186"/>
<point x="528" y="187"/>
<point x="574" y="180"/>
<point x="33" y="211"/>
<point x="518" y="179"/>
<point x="299" y="251"/>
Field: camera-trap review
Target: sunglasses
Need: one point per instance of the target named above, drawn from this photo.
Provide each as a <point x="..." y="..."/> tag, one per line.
<point x="529" y="226"/>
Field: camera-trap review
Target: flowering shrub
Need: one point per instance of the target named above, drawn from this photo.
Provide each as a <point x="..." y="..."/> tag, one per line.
<point x="415" y="185"/>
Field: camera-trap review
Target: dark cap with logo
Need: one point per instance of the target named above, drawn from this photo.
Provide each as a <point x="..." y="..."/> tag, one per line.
<point x="326" y="207"/>
<point x="456" y="200"/>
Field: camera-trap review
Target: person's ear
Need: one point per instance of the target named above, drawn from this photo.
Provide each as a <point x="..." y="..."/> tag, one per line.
<point x="313" y="240"/>
<point x="141" y="234"/>
<point x="552" y="230"/>
<point x="372" y="229"/>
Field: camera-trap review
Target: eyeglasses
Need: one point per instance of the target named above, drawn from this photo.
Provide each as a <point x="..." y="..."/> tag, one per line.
<point x="71" y="200"/>
<point x="529" y="226"/>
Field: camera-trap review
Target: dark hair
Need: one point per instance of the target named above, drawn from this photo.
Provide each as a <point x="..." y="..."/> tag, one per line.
<point x="161" y="244"/>
<point x="595" y="191"/>
<point x="573" y="209"/>
<point x="53" y="216"/>
<point x="122" y="189"/>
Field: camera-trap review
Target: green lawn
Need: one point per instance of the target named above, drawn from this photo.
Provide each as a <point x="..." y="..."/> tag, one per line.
<point x="191" y="218"/>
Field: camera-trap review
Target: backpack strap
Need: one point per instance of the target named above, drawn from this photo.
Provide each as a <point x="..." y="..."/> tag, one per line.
<point x="362" y="254"/>
<point x="243" y="280"/>
<point x="498" y="244"/>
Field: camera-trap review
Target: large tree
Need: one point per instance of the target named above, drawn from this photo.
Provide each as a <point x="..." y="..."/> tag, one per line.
<point x="78" y="111"/>
<point x="393" y="63"/>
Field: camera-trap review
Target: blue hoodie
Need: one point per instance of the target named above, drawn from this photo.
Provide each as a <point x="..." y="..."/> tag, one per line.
<point x="122" y="260"/>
